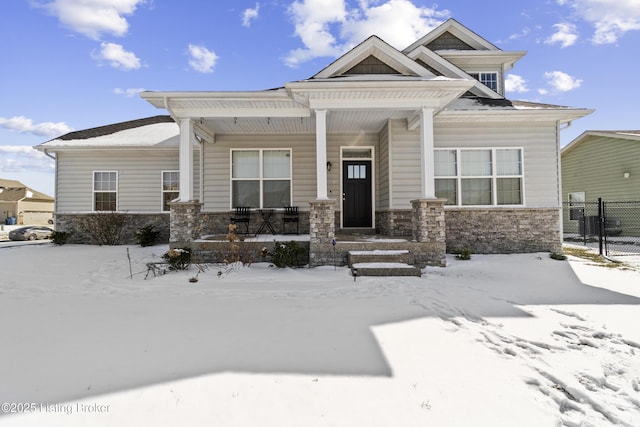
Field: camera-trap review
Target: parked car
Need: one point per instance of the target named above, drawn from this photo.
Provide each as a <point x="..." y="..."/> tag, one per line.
<point x="30" y="233"/>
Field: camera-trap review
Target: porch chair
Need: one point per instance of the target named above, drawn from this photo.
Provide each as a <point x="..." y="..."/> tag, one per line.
<point x="290" y="215"/>
<point x="242" y="215"/>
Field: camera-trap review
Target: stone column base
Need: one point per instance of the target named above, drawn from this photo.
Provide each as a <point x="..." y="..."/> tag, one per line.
<point x="322" y="231"/>
<point x="429" y="226"/>
<point x="185" y="221"/>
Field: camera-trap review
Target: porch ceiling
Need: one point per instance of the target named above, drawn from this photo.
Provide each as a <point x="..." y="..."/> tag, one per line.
<point x="368" y="121"/>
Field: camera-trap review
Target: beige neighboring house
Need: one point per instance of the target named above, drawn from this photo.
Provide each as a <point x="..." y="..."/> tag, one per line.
<point x="26" y="205"/>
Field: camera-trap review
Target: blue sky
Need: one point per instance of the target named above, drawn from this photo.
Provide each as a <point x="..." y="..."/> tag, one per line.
<point x="76" y="64"/>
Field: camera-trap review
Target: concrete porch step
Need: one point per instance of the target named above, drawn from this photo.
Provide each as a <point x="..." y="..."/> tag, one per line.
<point x="384" y="269"/>
<point x="382" y="263"/>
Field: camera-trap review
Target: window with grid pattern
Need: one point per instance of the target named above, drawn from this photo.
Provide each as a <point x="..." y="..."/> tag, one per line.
<point x="105" y="191"/>
<point x="261" y="178"/>
<point x="478" y="177"/>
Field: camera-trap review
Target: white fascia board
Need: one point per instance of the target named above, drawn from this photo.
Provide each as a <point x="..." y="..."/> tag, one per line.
<point x="503" y="115"/>
<point x="89" y="147"/>
<point x="196" y="113"/>
<point x="375" y="104"/>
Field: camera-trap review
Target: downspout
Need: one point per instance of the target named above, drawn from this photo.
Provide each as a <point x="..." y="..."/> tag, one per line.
<point x="55" y="181"/>
<point x="201" y="170"/>
<point x="559" y="157"/>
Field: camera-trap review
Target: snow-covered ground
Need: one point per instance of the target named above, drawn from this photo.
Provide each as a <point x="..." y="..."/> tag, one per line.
<point x="500" y="340"/>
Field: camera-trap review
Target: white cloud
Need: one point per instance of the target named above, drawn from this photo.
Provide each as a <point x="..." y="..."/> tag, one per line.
<point x="562" y="82"/>
<point x="128" y="93"/>
<point x="515" y="83"/>
<point x="566" y="34"/>
<point x="117" y="56"/>
<point x="330" y="27"/>
<point x="22" y="124"/>
<point x="249" y="15"/>
<point x="202" y="59"/>
<point x="611" y="18"/>
<point x="20" y="158"/>
<point x="93" y="18"/>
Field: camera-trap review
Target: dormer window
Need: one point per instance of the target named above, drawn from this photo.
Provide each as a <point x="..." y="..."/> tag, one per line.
<point x="489" y="79"/>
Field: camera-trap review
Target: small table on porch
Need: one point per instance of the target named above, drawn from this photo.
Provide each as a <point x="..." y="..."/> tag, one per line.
<point x="266" y="221"/>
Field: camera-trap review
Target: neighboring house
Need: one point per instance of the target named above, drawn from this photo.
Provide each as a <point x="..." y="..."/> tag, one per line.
<point x="599" y="164"/>
<point x="419" y="143"/>
<point x="26" y="205"/>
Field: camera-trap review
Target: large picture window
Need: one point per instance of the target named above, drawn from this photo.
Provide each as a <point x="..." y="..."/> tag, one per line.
<point x="261" y="178"/>
<point x="170" y="188"/>
<point x="105" y="191"/>
<point x="479" y="177"/>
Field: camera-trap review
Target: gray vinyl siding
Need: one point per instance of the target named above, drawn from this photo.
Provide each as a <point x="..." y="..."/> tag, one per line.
<point x="139" y="178"/>
<point x="597" y="165"/>
<point x="405" y="175"/>
<point x="383" y="170"/>
<point x="217" y="163"/>
<point x="538" y="141"/>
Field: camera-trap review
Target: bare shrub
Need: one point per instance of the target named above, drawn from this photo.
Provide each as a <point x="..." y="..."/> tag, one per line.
<point x="105" y="228"/>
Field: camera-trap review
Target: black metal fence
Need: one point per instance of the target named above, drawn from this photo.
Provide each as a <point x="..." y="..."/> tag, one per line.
<point x="613" y="227"/>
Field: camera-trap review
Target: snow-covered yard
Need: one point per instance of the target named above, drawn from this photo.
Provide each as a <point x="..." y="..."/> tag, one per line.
<point x="500" y="340"/>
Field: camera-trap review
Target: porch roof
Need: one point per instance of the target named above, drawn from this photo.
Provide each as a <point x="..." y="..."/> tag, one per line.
<point x="364" y="103"/>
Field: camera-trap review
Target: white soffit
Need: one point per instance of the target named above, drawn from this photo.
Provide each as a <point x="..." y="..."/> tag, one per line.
<point x="479" y="58"/>
<point x="276" y="103"/>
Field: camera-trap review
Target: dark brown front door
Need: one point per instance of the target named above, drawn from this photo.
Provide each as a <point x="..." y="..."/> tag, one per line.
<point x="356" y="196"/>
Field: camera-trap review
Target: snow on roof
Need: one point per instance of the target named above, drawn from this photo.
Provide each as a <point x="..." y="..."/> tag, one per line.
<point x="152" y="131"/>
<point x="477" y="103"/>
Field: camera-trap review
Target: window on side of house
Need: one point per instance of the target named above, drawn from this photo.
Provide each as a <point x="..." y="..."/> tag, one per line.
<point x="261" y="178"/>
<point x="105" y="190"/>
<point x="479" y="177"/>
<point x="170" y="188"/>
<point x="576" y="205"/>
<point x="489" y="79"/>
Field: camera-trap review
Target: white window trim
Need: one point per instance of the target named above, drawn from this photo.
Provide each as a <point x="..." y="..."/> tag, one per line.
<point x="260" y="178"/>
<point x="93" y="190"/>
<point x="498" y="88"/>
<point x="494" y="176"/>
<point x="162" y="190"/>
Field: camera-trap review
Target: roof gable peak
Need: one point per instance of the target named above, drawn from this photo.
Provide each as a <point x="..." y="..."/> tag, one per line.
<point x="455" y="30"/>
<point x="373" y="54"/>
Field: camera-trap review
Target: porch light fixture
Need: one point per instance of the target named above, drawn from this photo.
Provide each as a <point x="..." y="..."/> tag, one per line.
<point x="626" y="175"/>
<point x="329" y="166"/>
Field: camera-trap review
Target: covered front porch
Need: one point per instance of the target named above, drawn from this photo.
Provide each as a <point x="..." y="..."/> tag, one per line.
<point x="334" y="155"/>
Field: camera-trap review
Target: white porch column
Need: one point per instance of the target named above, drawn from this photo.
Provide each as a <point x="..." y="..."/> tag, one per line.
<point x="186" y="160"/>
<point x="426" y="154"/>
<point x="321" y="154"/>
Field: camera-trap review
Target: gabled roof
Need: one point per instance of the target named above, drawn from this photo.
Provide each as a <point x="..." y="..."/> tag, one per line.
<point x="631" y="135"/>
<point x="157" y="131"/>
<point x="457" y="30"/>
<point x="378" y="48"/>
<point x="15" y="191"/>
